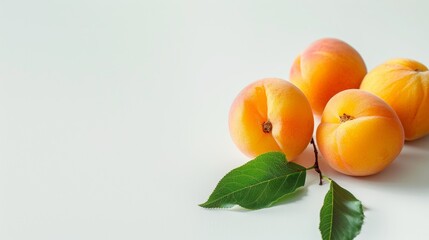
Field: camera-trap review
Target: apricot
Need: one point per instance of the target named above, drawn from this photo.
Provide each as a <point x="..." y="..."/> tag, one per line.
<point x="359" y="133"/>
<point x="404" y="85"/>
<point x="271" y="115"/>
<point x="326" y="67"/>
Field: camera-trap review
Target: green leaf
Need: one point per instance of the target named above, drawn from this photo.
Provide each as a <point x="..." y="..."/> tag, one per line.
<point x="257" y="184"/>
<point x="341" y="216"/>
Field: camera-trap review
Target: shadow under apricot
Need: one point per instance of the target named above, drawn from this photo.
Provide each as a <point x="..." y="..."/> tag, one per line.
<point x="409" y="171"/>
<point x="422" y="143"/>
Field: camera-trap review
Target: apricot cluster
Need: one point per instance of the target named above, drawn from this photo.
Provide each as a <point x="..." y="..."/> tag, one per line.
<point x="364" y="117"/>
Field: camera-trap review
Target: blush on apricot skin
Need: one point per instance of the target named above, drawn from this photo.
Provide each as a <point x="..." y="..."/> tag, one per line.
<point x="327" y="67"/>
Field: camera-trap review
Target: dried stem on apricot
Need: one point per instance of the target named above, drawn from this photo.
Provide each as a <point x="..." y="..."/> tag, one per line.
<point x="267" y="127"/>
<point x="345" y="118"/>
<point x="316" y="161"/>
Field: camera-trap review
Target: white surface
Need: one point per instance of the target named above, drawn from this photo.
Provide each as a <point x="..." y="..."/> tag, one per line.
<point x="114" y="115"/>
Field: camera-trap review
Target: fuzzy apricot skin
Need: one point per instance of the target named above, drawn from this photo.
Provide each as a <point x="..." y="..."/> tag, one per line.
<point x="284" y="106"/>
<point x="404" y="85"/>
<point x="365" y="143"/>
<point x="327" y="67"/>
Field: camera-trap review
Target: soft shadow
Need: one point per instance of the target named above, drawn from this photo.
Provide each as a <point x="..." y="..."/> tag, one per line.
<point x="237" y="208"/>
<point x="408" y="172"/>
<point x="306" y="158"/>
<point x="422" y="143"/>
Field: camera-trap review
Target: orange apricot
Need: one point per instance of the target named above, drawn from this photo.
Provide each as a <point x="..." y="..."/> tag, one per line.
<point x="326" y="67"/>
<point x="404" y="85"/>
<point x="359" y="133"/>
<point x="271" y="115"/>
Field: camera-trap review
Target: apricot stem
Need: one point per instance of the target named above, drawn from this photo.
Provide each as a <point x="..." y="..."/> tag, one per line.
<point x="316" y="161"/>
<point x="267" y="127"/>
<point x="345" y="118"/>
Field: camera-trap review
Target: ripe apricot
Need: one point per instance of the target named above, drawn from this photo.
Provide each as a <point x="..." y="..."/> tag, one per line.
<point x="404" y="85"/>
<point x="359" y="133"/>
<point x="271" y="115"/>
<point x="326" y="67"/>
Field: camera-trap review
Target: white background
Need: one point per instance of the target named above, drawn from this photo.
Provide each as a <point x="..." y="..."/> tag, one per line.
<point x="113" y="117"/>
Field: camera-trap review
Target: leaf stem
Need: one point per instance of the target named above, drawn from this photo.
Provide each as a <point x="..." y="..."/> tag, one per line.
<point x="316" y="161"/>
<point x="312" y="167"/>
